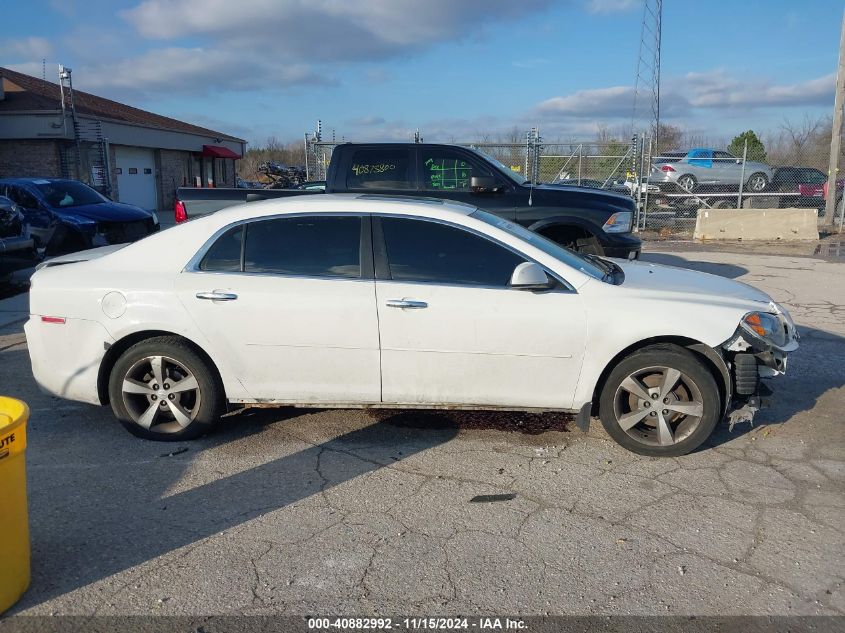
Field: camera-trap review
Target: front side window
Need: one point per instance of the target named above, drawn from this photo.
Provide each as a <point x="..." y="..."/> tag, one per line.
<point x="419" y="250"/>
<point x="323" y="246"/>
<point x="379" y="169"/>
<point x="445" y="170"/>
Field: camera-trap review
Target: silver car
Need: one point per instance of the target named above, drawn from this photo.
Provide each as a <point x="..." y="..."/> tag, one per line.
<point x="700" y="166"/>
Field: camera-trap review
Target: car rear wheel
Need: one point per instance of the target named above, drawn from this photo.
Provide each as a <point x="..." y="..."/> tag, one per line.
<point x="660" y="401"/>
<point x="687" y="182"/>
<point x="161" y="389"/>
<point x="758" y="182"/>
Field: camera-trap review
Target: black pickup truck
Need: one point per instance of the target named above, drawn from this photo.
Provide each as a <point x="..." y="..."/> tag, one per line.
<point x="583" y="218"/>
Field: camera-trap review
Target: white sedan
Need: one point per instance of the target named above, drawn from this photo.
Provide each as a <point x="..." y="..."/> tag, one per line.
<point x="366" y="301"/>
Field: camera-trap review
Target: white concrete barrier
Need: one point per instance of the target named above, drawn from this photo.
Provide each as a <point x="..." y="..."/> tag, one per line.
<point x="756" y="224"/>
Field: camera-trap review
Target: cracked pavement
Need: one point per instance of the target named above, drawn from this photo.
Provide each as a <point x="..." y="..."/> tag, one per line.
<point x="344" y="512"/>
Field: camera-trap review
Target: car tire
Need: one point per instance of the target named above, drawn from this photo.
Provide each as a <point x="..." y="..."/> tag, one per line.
<point x="687" y="183"/>
<point x="662" y="430"/>
<point x="757" y="182"/>
<point x="190" y="390"/>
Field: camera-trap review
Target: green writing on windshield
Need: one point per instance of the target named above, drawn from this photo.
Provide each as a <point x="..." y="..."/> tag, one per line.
<point x="448" y="173"/>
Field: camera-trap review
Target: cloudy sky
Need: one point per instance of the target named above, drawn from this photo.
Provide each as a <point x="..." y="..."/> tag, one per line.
<point x="455" y="69"/>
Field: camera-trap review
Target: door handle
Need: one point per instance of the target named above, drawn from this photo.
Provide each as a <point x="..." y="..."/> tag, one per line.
<point x="217" y="295"/>
<point x="406" y="303"/>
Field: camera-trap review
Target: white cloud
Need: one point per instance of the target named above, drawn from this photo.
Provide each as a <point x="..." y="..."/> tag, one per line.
<point x="615" y="101"/>
<point x="681" y="96"/>
<point x="190" y="71"/>
<point x="26" y="48"/>
<point x="323" y="29"/>
<point x="612" y="6"/>
<point x="718" y="89"/>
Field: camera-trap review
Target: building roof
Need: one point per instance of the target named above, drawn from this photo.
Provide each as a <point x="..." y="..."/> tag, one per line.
<point x="26" y="93"/>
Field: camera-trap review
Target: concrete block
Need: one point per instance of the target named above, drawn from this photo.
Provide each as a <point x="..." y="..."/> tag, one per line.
<point x="756" y="224"/>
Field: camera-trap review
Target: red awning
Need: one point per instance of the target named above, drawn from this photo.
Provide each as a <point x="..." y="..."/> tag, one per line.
<point x="218" y="151"/>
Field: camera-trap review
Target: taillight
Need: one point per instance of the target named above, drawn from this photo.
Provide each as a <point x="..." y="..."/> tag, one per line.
<point x="179" y="213"/>
<point x="667" y="168"/>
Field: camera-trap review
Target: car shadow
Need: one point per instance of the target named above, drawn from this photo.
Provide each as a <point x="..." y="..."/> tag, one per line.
<point x="729" y="271"/>
<point x="85" y="527"/>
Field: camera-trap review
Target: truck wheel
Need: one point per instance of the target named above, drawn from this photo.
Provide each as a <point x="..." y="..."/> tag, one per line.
<point x="575" y="238"/>
<point x="660" y="401"/>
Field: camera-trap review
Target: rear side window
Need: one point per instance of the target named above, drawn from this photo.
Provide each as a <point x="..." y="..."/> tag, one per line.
<point x="375" y="169"/>
<point x="428" y="251"/>
<point x="225" y="254"/>
<point x="324" y="246"/>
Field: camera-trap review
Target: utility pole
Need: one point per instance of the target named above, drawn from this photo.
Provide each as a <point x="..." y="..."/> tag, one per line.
<point x="836" y="132"/>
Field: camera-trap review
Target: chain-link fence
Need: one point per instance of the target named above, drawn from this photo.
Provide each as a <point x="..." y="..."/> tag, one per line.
<point x="669" y="186"/>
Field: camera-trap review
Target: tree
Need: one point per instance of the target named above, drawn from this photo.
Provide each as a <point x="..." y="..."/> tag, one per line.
<point x="756" y="149"/>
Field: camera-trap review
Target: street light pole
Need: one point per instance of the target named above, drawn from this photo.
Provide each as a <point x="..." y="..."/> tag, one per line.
<point x="836" y="133"/>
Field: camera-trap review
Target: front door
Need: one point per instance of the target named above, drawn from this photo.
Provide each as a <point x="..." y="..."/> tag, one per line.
<point x="289" y="304"/>
<point x="452" y="332"/>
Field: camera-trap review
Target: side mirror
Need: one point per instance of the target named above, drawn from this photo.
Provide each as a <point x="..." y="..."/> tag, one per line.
<point x="530" y="276"/>
<point x="482" y="184"/>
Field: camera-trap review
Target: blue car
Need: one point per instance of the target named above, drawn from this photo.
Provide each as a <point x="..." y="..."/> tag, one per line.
<point x="65" y="216"/>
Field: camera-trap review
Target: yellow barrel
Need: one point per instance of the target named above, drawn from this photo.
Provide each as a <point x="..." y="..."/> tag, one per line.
<point x="14" y="522"/>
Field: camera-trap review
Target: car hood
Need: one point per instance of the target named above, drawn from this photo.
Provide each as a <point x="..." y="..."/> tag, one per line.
<point x="105" y="212"/>
<point x="690" y="285"/>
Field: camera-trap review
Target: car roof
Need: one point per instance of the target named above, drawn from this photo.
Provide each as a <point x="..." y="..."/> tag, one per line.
<point x="351" y="203"/>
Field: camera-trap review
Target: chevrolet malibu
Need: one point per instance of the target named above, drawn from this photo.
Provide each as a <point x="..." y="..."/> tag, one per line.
<point x="367" y="301"/>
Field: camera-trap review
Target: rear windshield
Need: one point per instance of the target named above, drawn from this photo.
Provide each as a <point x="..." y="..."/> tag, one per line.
<point x="68" y="193"/>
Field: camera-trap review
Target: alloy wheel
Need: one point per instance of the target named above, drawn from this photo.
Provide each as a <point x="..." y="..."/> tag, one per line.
<point x="757" y="183"/>
<point x="161" y="394"/>
<point x="658" y="406"/>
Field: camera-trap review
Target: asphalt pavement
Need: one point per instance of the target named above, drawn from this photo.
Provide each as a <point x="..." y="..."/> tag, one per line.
<point x="292" y="511"/>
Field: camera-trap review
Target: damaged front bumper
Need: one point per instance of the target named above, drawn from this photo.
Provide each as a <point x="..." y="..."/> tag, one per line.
<point x="750" y="358"/>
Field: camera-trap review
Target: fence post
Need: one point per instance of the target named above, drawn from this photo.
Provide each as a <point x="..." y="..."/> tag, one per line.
<point x="645" y="204"/>
<point x="307" y="172"/>
<point x="580" y="158"/>
<point x="742" y="175"/>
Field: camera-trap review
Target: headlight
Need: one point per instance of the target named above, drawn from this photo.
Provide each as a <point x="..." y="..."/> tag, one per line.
<point x="619" y="222"/>
<point x="770" y="328"/>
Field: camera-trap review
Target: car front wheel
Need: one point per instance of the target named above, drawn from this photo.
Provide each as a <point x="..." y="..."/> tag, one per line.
<point x="161" y="389"/>
<point x="661" y="401"/>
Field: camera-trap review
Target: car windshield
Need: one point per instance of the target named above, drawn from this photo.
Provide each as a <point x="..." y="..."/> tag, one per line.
<point x="507" y="171"/>
<point x="68" y="193"/>
<point x="561" y="253"/>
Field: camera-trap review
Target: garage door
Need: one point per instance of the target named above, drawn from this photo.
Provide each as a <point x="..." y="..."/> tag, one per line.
<point x="136" y="181"/>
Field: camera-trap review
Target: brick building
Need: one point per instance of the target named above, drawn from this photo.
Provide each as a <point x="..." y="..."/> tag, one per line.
<point x="49" y="130"/>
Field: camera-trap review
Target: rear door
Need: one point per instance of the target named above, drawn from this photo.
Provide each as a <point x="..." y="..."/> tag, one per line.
<point x="290" y="303"/>
<point x="446" y="172"/>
